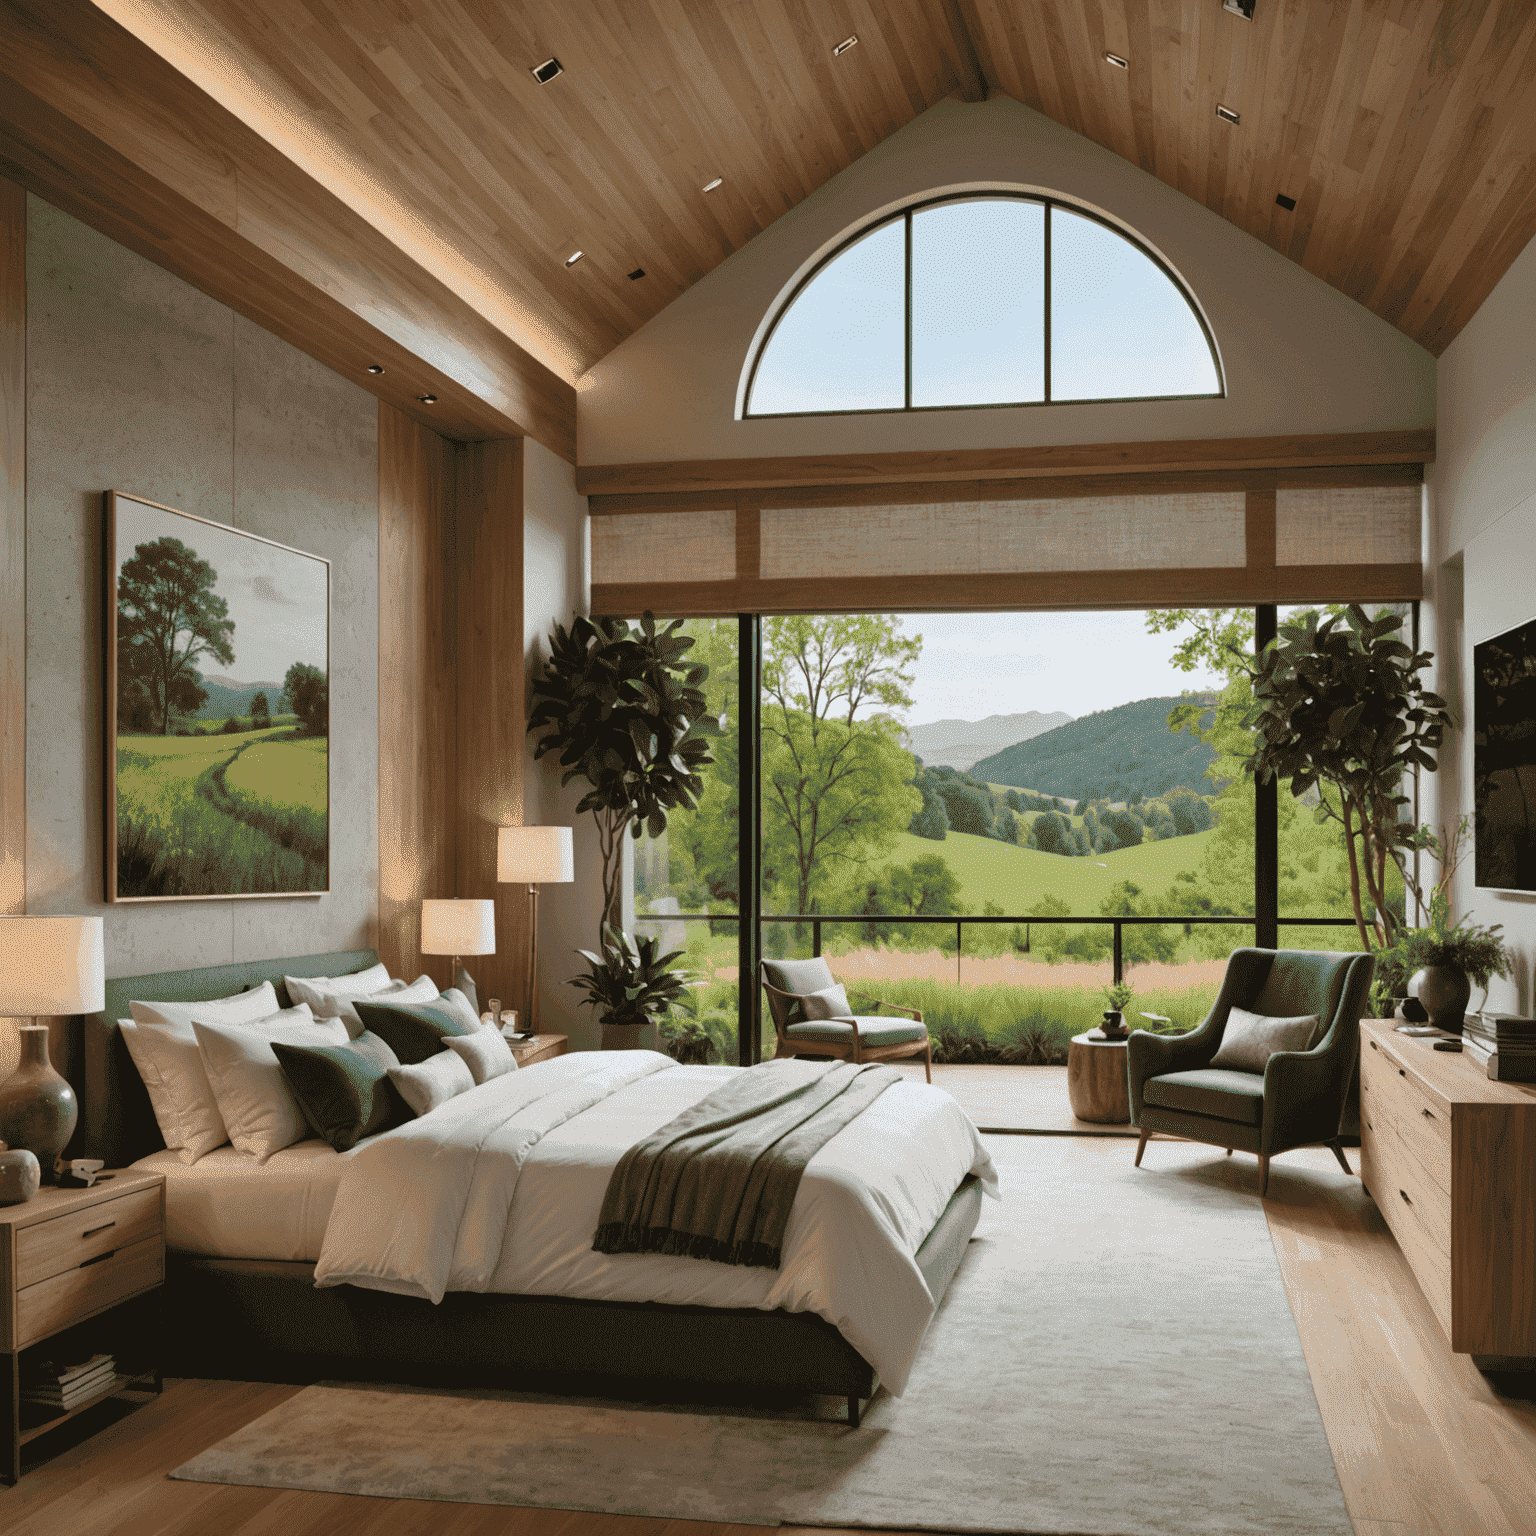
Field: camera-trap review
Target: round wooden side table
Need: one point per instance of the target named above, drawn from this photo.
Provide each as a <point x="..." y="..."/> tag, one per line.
<point x="1096" y="1081"/>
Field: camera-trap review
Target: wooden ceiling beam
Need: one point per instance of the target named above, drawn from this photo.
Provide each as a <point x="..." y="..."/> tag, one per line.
<point x="973" y="83"/>
<point x="97" y="123"/>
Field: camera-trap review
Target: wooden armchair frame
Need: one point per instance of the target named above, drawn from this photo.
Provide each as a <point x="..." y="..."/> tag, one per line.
<point x="779" y="1004"/>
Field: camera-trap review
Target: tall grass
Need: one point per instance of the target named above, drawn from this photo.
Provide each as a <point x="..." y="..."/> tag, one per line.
<point x="296" y="828"/>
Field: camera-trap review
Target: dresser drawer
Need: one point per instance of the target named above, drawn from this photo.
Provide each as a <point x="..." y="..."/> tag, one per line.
<point x="66" y="1298"/>
<point x="1422" y="1123"/>
<point x="1415" y="1208"/>
<point x="65" y="1243"/>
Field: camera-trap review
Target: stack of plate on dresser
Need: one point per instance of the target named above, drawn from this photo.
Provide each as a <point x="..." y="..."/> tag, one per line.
<point x="1504" y="1043"/>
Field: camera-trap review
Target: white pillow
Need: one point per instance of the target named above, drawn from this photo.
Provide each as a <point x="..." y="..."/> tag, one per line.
<point x="830" y="1003"/>
<point x="258" y="1106"/>
<point x="1250" y="1039"/>
<point x="310" y="989"/>
<point x="462" y="1009"/>
<point x="433" y="1081"/>
<point x="486" y="1053"/>
<point x="164" y="1049"/>
<point x="339" y="1005"/>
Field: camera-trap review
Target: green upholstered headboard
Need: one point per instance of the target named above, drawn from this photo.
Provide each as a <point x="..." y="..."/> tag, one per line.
<point x="116" y="1122"/>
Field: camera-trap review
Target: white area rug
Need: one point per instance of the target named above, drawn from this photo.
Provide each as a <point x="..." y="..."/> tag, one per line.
<point x="1116" y="1357"/>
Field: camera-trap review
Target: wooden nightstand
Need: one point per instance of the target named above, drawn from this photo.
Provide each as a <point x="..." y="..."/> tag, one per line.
<point x="65" y="1256"/>
<point x="540" y="1048"/>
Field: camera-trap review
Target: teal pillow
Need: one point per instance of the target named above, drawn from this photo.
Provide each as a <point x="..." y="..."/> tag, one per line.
<point x="344" y="1090"/>
<point x="413" y="1031"/>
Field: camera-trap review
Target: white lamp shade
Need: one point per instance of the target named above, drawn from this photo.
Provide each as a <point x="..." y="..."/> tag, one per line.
<point x="539" y="855"/>
<point x="458" y="927"/>
<point x="51" y="965"/>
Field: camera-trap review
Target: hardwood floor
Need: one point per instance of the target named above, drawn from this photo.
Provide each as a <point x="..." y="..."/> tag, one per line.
<point x="1425" y="1445"/>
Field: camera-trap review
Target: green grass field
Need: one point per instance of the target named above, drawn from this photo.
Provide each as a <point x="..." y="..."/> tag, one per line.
<point x="238" y="814"/>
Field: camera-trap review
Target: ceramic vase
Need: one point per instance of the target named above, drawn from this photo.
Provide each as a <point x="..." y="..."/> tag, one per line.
<point x="20" y="1175"/>
<point x="37" y="1107"/>
<point x="1443" y="992"/>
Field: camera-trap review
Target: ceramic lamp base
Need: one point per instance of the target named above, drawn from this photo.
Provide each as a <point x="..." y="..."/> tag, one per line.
<point x="37" y="1107"/>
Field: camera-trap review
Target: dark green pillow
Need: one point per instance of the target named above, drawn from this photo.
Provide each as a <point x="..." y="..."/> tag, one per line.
<point x="413" y="1031"/>
<point x="344" y="1090"/>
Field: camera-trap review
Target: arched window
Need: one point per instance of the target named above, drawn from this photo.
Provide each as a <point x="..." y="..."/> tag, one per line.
<point x="997" y="299"/>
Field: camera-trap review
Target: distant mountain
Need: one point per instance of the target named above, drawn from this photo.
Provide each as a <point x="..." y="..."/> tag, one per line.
<point x="228" y="697"/>
<point x="1113" y="753"/>
<point x="960" y="743"/>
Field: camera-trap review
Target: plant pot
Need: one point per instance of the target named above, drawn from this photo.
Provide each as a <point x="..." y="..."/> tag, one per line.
<point x="631" y="1037"/>
<point x="1114" y="1025"/>
<point x="37" y="1107"/>
<point x="1443" y="992"/>
<point x="20" y="1175"/>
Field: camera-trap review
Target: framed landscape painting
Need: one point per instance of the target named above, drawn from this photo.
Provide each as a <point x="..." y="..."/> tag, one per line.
<point x="218" y="710"/>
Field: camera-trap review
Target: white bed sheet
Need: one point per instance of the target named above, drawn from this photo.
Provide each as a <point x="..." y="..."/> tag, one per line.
<point x="229" y="1206"/>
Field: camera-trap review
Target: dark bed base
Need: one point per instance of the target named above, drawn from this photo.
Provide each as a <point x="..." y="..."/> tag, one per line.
<point x="258" y="1319"/>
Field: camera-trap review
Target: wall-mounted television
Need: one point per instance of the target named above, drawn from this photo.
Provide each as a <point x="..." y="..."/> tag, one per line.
<point x="1504" y="759"/>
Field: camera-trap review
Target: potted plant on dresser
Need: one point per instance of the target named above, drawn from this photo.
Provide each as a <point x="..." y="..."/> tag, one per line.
<point x="631" y="987"/>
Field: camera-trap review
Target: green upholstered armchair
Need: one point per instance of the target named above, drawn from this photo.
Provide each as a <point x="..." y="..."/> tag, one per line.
<point x="863" y="1037"/>
<point x="1298" y="1099"/>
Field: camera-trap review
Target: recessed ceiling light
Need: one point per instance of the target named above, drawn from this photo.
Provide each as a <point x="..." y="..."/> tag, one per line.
<point x="427" y="399"/>
<point x="1282" y="201"/>
<point x="1227" y="115"/>
<point x="637" y="274"/>
<point x="546" y="71"/>
<point x="375" y="368"/>
<point x="1117" y="61"/>
<point x="709" y="186"/>
<point x="838" y="49"/>
<point x="574" y="257"/>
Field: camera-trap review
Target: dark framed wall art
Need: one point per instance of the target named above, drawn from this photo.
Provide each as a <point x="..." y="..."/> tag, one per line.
<point x="217" y="710"/>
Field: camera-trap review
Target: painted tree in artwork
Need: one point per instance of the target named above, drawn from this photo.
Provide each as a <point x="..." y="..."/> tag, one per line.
<point x="308" y="692"/>
<point x="168" y="619"/>
<point x="261" y="712"/>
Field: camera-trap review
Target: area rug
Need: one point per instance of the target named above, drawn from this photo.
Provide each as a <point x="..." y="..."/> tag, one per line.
<point x="1116" y="1357"/>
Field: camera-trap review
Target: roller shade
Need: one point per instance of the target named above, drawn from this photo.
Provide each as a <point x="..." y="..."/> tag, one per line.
<point x="1102" y="541"/>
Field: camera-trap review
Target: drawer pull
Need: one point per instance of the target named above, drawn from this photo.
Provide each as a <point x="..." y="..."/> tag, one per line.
<point x="1401" y="1073"/>
<point x="101" y="1258"/>
<point x="1373" y="1045"/>
<point x="94" y="1230"/>
<point x="1428" y="1114"/>
<point x="1404" y="1194"/>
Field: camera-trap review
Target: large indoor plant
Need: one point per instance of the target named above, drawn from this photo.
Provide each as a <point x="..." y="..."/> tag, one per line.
<point x="631" y="987"/>
<point x="622" y="707"/>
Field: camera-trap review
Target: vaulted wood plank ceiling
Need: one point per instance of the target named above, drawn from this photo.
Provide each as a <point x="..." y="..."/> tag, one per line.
<point x="1405" y="130"/>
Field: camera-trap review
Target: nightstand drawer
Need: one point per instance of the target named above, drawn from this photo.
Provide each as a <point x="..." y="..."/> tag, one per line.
<point x="65" y="1243"/>
<point x="102" y="1282"/>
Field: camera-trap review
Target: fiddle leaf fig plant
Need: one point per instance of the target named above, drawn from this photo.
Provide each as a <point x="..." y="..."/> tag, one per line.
<point x="624" y="710"/>
<point x="629" y="983"/>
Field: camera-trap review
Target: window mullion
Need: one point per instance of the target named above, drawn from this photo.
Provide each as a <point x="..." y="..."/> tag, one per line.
<point x="1046" y="303"/>
<point x="908" y="351"/>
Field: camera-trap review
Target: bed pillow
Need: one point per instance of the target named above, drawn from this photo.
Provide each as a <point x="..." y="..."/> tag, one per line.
<point x="1250" y="1039"/>
<point x="164" y="1050"/>
<point x="829" y="1003"/>
<point x="311" y="989"/>
<point x="433" y="1081"/>
<point x="343" y="1005"/>
<point x="415" y="1031"/>
<point x="486" y="1054"/>
<point x="344" y="1090"/>
<point x="258" y="1106"/>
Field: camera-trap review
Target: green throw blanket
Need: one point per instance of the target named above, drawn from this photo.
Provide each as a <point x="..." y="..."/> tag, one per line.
<point x="719" y="1180"/>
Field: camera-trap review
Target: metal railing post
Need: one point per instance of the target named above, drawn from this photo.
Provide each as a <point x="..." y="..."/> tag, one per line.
<point x="959" y="944"/>
<point x="816" y="938"/>
<point x="1119" y="955"/>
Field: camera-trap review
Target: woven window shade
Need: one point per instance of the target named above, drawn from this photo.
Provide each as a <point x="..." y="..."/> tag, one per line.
<point x="979" y="538"/>
<point x="663" y="547"/>
<point x="1348" y="525"/>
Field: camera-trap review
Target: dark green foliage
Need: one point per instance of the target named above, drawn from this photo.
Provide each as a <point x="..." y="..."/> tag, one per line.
<point x="1113" y="753"/>
<point x="967" y="803"/>
<point x="261" y="712"/>
<point x="629" y="983"/>
<point x="231" y="727"/>
<point x="933" y="820"/>
<point x="1160" y="824"/>
<point x="1126" y="825"/>
<point x="308" y="691"/>
<point x="1006" y="827"/>
<point x="1053" y="834"/>
<point x="1191" y="812"/>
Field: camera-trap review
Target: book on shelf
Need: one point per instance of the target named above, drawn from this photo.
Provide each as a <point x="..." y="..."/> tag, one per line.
<point x="63" y="1387"/>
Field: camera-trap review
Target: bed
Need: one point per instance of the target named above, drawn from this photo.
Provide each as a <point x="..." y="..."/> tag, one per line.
<point x="242" y="1299"/>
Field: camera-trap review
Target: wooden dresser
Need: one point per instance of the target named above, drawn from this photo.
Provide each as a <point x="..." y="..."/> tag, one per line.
<point x="1450" y="1160"/>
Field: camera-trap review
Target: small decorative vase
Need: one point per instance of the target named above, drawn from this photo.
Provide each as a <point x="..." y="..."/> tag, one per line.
<point x="1114" y="1025"/>
<point x="1443" y="992"/>
<point x="20" y="1175"/>
<point x="37" y="1107"/>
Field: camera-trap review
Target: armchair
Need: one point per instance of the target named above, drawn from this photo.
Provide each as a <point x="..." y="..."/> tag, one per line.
<point x="1299" y="1098"/>
<point x="863" y="1037"/>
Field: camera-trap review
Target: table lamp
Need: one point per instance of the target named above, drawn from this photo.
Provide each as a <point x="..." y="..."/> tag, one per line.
<point x="49" y="966"/>
<point x="541" y="856"/>
<point x="458" y="928"/>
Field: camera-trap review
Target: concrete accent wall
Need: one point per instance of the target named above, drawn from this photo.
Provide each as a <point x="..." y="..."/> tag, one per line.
<point x="139" y="383"/>
<point x="1299" y="356"/>
<point x="1482" y="557"/>
<point x="556" y="585"/>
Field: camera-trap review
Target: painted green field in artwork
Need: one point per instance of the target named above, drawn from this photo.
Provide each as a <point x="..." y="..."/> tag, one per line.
<point x="221" y="814"/>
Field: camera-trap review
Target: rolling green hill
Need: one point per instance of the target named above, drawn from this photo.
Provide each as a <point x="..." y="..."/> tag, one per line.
<point x="1114" y="753"/>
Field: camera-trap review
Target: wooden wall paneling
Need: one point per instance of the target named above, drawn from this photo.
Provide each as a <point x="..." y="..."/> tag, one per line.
<point x="13" y="547"/>
<point x="103" y="127"/>
<point x="488" y="556"/>
<point x="418" y="634"/>
<point x="1224" y="453"/>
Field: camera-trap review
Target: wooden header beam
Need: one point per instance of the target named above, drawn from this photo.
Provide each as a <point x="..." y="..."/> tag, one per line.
<point x="1220" y="453"/>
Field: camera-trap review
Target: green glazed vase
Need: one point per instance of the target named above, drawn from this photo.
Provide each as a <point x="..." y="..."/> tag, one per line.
<point x="37" y="1107"/>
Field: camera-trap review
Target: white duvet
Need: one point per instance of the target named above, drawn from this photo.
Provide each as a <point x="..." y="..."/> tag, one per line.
<point x="499" y="1190"/>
